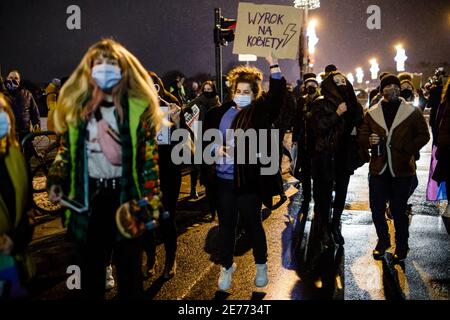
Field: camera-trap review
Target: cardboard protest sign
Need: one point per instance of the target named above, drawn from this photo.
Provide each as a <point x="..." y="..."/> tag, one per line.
<point x="262" y="29"/>
<point x="163" y="136"/>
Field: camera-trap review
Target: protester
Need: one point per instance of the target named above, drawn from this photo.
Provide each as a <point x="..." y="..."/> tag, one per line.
<point x="170" y="179"/>
<point x="329" y="69"/>
<point x="442" y="172"/>
<point x="194" y="89"/>
<point x="334" y="153"/>
<point x="298" y="90"/>
<point x="177" y="89"/>
<point x="24" y="106"/>
<point x="207" y="99"/>
<point x="375" y="95"/>
<point x="396" y="131"/>
<point x="435" y="93"/>
<point x="15" y="200"/>
<point x="301" y="139"/>
<point x="240" y="189"/>
<point x="407" y="92"/>
<point x="100" y="173"/>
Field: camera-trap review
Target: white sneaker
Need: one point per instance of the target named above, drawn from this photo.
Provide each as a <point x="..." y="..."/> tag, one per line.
<point x="110" y="283"/>
<point x="225" y="277"/>
<point x="261" y="279"/>
<point x="447" y="211"/>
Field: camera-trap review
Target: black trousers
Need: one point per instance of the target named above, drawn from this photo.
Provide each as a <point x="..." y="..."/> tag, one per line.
<point x="342" y="181"/>
<point x="384" y="188"/>
<point x="230" y="206"/>
<point x="414" y="185"/>
<point x="327" y="179"/>
<point x="101" y="240"/>
<point x="303" y="173"/>
<point x="170" y="179"/>
<point x="195" y="171"/>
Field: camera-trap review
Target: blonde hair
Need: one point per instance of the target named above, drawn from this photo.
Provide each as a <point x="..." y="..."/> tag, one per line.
<point x="446" y="92"/>
<point x="4" y="106"/>
<point x="80" y="96"/>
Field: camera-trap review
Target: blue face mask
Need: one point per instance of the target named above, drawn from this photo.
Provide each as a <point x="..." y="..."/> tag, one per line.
<point x="106" y="75"/>
<point x="243" y="101"/>
<point x="4" y="124"/>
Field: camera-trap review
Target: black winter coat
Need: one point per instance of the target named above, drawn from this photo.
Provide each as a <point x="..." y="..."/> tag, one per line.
<point x="333" y="136"/>
<point x="247" y="177"/>
<point x="25" y="110"/>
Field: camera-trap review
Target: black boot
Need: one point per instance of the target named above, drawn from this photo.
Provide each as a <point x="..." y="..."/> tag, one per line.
<point x="337" y="235"/>
<point x="170" y="267"/>
<point x="401" y="253"/>
<point x="380" y="249"/>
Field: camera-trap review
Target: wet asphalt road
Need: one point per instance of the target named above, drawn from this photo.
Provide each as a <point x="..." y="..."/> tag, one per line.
<point x="348" y="273"/>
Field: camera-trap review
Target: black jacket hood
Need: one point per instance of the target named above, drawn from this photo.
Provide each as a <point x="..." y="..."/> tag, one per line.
<point x="330" y="91"/>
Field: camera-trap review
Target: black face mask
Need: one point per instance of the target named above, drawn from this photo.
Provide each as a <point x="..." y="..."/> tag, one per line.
<point x="391" y="94"/>
<point x="407" y="94"/>
<point x="311" y="90"/>
<point x="344" y="93"/>
<point x="209" y="95"/>
<point x="12" y="85"/>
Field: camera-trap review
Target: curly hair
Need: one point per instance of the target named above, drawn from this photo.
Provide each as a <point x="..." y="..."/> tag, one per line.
<point x="244" y="74"/>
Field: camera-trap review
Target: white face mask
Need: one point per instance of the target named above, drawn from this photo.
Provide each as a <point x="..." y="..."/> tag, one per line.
<point x="242" y="101"/>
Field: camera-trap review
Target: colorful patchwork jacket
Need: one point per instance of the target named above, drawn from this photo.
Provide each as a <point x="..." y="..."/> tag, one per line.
<point x="140" y="172"/>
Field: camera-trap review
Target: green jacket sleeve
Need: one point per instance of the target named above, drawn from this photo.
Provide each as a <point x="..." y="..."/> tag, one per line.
<point x="59" y="172"/>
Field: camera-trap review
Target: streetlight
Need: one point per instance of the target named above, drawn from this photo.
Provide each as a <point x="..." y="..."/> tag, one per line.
<point x="351" y="78"/>
<point x="307" y="4"/>
<point x="359" y="75"/>
<point x="303" y="56"/>
<point x="312" y="41"/>
<point x="400" y="58"/>
<point x="374" y="69"/>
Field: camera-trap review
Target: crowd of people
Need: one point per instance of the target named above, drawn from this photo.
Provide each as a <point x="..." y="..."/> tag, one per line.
<point x="107" y="115"/>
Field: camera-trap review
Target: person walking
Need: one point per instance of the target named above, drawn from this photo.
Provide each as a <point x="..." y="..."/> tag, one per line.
<point x="396" y="131"/>
<point x="240" y="189"/>
<point x="108" y="115"/>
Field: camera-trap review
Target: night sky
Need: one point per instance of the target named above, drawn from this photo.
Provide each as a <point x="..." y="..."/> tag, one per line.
<point x="172" y="34"/>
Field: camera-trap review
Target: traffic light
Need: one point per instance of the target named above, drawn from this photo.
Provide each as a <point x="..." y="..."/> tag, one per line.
<point x="224" y="31"/>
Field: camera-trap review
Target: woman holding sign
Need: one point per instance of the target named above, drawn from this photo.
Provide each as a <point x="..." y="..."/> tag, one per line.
<point x="241" y="189"/>
<point x="108" y="115"/>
